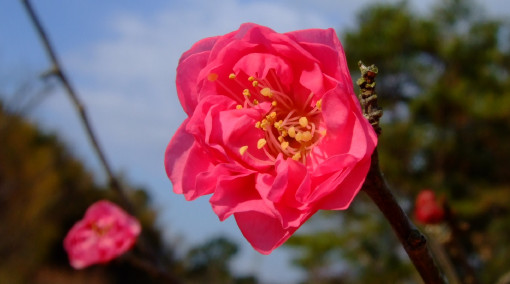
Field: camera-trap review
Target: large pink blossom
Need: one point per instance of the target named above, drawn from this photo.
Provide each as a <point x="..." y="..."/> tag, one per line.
<point x="274" y="130"/>
<point x="104" y="233"/>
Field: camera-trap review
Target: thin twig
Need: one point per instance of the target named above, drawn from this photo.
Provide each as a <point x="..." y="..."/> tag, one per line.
<point x="378" y="190"/>
<point x="156" y="266"/>
<point x="56" y="70"/>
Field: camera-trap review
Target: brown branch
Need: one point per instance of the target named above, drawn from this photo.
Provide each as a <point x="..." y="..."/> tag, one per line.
<point x="56" y="70"/>
<point x="378" y="190"/>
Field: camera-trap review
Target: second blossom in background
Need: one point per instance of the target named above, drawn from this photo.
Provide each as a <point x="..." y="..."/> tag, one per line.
<point x="105" y="232"/>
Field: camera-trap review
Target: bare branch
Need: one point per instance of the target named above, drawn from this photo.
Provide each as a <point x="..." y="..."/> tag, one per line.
<point x="57" y="71"/>
<point x="375" y="186"/>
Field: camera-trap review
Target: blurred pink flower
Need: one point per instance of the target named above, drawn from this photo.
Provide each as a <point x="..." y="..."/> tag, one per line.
<point x="427" y="208"/>
<point x="104" y="233"/>
<point x="274" y="130"/>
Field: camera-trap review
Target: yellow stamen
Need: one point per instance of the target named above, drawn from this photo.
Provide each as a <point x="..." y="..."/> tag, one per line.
<point x="246" y="93"/>
<point x="318" y="104"/>
<point x="303" y="121"/>
<point x="284" y="133"/>
<point x="239" y="106"/>
<point x="261" y="143"/>
<point x="280" y="138"/>
<point x="243" y="149"/>
<point x="299" y="136"/>
<point x="274" y="103"/>
<point x="212" y="77"/>
<point x="284" y="145"/>
<point x="255" y="83"/>
<point x="296" y="156"/>
<point x="322" y="132"/>
<point x="232" y="76"/>
<point x="266" y="92"/>
<point x="264" y="124"/>
<point x="251" y="79"/>
<point x="306" y="136"/>
<point x="257" y="124"/>
<point x="292" y="132"/>
<point x="255" y="102"/>
<point x="278" y="125"/>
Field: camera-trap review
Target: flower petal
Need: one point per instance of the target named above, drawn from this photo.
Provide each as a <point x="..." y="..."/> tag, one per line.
<point x="186" y="80"/>
<point x="235" y="193"/>
<point x="184" y="160"/>
<point x="264" y="232"/>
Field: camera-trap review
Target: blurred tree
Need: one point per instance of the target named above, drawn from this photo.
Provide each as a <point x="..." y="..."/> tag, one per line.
<point x="444" y="86"/>
<point x="44" y="190"/>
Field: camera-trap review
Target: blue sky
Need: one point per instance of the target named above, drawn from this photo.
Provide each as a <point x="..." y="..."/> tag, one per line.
<point x="122" y="58"/>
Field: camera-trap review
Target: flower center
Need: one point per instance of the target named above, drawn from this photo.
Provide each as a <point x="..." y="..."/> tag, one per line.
<point x="290" y="129"/>
<point x="100" y="230"/>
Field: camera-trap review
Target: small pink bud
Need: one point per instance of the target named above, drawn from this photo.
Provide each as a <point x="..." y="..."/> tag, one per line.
<point x="427" y="209"/>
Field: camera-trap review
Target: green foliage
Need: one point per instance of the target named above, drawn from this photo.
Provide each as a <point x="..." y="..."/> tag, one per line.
<point x="444" y="85"/>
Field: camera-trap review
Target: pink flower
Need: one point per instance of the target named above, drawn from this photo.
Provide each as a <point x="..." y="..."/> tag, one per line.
<point x="274" y="130"/>
<point x="427" y="209"/>
<point x="104" y="233"/>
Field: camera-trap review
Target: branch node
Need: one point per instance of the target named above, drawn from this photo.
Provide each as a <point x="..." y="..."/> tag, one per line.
<point x="368" y="95"/>
<point x="416" y="240"/>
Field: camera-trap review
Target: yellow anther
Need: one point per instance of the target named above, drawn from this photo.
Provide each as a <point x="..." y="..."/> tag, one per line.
<point x="296" y="156"/>
<point x="264" y="124"/>
<point x="232" y="76"/>
<point x="212" y="77"/>
<point x="243" y="149"/>
<point x="322" y="132"/>
<point x="239" y="106"/>
<point x="306" y="136"/>
<point x="284" y="145"/>
<point x="303" y="121"/>
<point x="255" y="102"/>
<point x="274" y="103"/>
<point x="271" y="117"/>
<point x="255" y="83"/>
<point x="246" y="93"/>
<point x="257" y="124"/>
<point x="284" y="133"/>
<point x="292" y="131"/>
<point x="318" y="104"/>
<point x="280" y="138"/>
<point x="261" y="143"/>
<point x="278" y="125"/>
<point x="266" y="92"/>
<point x="251" y="78"/>
<point x="299" y="136"/>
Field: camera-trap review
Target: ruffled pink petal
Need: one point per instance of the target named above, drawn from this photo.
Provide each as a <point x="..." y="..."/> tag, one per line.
<point x="236" y="193"/>
<point x="336" y="108"/>
<point x="259" y="64"/>
<point x="344" y="193"/>
<point x="280" y="191"/>
<point x="205" y="126"/>
<point x="184" y="160"/>
<point x="264" y="232"/>
<point x="238" y="130"/>
<point x="200" y="46"/>
<point x="312" y="40"/>
<point x="186" y="81"/>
